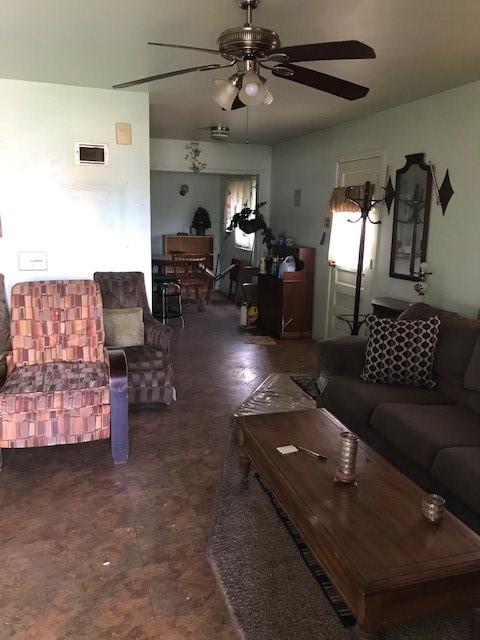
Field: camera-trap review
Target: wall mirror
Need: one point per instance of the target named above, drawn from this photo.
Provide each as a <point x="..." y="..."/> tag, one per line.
<point x="413" y="193"/>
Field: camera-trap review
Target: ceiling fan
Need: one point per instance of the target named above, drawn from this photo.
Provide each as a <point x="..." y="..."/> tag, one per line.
<point x="219" y="132"/>
<point x="251" y="49"/>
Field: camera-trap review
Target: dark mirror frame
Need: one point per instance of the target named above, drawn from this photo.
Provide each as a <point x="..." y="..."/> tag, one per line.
<point x="411" y="160"/>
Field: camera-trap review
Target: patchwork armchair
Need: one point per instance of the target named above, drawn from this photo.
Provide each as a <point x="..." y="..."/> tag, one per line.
<point x="61" y="386"/>
<point x="5" y="345"/>
<point x="150" y="372"/>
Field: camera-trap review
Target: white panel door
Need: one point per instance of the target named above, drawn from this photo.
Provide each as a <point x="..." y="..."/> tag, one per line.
<point x="344" y="245"/>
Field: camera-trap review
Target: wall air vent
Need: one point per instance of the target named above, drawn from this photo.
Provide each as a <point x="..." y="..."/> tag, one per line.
<point x="92" y="154"/>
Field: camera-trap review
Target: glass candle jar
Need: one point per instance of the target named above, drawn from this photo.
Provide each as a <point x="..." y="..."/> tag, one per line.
<point x="347" y="458"/>
<point x="433" y="507"/>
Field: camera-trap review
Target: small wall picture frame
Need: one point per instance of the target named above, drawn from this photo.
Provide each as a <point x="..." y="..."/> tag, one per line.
<point x="123" y="132"/>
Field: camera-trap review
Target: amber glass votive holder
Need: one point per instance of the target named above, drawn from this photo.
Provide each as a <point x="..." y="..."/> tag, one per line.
<point x="433" y="507"/>
<point x="346" y="471"/>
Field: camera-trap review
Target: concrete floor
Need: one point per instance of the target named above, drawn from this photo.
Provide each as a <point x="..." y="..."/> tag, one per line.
<point x="93" y="551"/>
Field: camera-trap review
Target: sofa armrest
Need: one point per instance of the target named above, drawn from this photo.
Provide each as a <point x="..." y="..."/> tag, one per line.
<point x="157" y="334"/>
<point x="345" y="355"/>
<point x="3" y="369"/>
<point x="117" y="364"/>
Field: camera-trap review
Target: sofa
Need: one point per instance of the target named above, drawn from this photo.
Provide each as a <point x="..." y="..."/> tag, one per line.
<point x="431" y="435"/>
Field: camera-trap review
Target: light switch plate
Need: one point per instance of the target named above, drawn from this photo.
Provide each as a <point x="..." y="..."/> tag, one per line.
<point x="123" y="132"/>
<point x="32" y="261"/>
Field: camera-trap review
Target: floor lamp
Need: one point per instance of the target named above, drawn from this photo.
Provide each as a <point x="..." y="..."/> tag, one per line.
<point x="366" y="204"/>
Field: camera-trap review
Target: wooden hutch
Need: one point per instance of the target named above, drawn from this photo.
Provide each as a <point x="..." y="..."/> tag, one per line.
<point x="285" y="306"/>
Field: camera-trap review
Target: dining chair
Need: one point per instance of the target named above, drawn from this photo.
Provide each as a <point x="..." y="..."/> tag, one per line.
<point x="190" y="271"/>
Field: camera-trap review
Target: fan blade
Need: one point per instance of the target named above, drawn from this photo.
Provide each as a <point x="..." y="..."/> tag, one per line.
<point x="237" y="104"/>
<point x="170" y="74"/>
<point x="341" y="50"/>
<point x="183" y="46"/>
<point x="325" y="82"/>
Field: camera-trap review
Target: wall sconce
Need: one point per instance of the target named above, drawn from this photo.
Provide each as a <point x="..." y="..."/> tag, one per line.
<point x="421" y="287"/>
<point x="184" y="189"/>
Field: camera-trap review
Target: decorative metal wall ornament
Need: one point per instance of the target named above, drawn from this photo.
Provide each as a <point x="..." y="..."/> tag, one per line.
<point x="445" y="193"/>
<point x="389" y="194"/>
<point x="193" y="156"/>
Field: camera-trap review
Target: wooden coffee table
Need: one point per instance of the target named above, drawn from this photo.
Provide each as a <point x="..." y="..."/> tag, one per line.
<point x="387" y="562"/>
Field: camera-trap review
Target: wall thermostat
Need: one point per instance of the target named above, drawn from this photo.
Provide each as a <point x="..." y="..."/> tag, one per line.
<point x="92" y="154"/>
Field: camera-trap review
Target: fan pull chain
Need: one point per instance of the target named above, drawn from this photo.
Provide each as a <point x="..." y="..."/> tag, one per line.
<point x="247" y="141"/>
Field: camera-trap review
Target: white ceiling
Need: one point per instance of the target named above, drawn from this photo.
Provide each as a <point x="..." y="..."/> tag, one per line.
<point x="422" y="46"/>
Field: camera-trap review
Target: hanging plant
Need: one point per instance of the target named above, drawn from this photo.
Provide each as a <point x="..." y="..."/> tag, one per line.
<point x="193" y="156"/>
<point x="250" y="221"/>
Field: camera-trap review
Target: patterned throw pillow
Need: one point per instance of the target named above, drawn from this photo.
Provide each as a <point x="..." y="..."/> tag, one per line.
<point x="401" y="351"/>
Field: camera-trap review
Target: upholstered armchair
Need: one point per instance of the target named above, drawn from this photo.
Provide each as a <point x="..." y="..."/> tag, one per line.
<point x="61" y="386"/>
<point x="150" y="372"/>
<point x="5" y="344"/>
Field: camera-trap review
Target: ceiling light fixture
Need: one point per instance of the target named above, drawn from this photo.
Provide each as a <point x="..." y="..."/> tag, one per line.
<point x="226" y="91"/>
<point x="253" y="89"/>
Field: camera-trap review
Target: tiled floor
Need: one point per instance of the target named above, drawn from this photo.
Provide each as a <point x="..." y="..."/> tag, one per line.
<point x="93" y="551"/>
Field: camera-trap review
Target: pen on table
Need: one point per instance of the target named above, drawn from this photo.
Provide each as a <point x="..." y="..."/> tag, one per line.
<point x="316" y="455"/>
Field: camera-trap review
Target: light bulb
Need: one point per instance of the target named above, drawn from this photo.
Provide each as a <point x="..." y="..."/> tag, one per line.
<point x="253" y="90"/>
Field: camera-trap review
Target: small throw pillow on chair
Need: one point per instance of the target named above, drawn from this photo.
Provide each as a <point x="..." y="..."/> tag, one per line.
<point x="124" y="327"/>
<point x="401" y="351"/>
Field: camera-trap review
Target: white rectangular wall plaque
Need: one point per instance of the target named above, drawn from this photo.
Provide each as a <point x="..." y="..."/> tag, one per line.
<point x="32" y="261"/>
<point x="123" y="133"/>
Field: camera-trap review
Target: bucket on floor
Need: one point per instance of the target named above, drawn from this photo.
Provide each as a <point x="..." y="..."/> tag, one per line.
<point x="252" y="315"/>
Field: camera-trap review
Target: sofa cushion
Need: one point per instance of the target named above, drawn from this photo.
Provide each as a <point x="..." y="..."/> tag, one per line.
<point x="458" y="470"/>
<point x="56" y="385"/>
<point x="352" y="401"/>
<point x="56" y="321"/>
<point x="420" y="432"/>
<point x="470" y="396"/>
<point x="145" y="358"/>
<point x="401" y="351"/>
<point x="456" y="341"/>
<point x="55" y="403"/>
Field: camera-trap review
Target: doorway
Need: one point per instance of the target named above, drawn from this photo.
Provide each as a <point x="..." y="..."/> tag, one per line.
<point x="344" y="246"/>
<point x="237" y="191"/>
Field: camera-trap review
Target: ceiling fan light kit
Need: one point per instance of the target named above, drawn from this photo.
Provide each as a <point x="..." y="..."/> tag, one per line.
<point x="226" y="91"/>
<point x="251" y="48"/>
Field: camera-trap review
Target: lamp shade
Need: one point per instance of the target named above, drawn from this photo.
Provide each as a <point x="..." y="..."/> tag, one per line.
<point x="225" y="93"/>
<point x="253" y="90"/>
<point x="269" y="98"/>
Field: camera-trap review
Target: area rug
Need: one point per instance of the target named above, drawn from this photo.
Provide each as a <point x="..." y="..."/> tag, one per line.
<point x="270" y="591"/>
<point x="265" y="341"/>
<point x="307" y="384"/>
<point x="338" y="605"/>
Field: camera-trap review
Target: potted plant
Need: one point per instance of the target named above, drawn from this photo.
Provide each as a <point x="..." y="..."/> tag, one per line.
<point x="201" y="221"/>
<point x="251" y="221"/>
